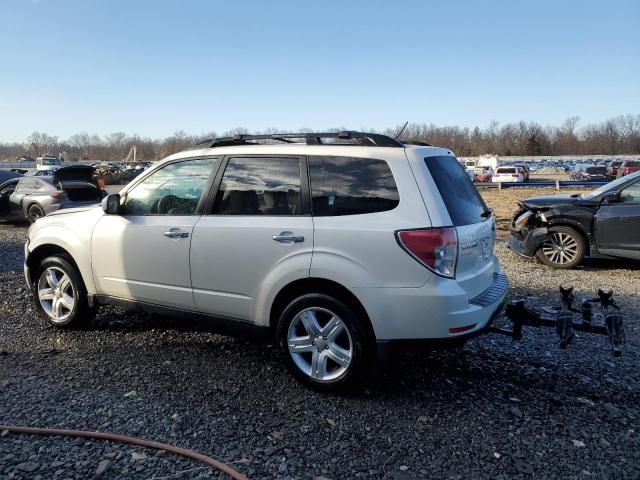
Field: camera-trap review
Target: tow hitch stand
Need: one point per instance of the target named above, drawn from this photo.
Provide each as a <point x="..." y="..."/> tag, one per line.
<point x="565" y="322"/>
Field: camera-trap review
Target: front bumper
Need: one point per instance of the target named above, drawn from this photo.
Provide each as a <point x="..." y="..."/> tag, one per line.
<point x="526" y="242"/>
<point x="25" y="266"/>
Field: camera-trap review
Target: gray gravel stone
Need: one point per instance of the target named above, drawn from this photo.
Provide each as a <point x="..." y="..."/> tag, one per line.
<point x="235" y="400"/>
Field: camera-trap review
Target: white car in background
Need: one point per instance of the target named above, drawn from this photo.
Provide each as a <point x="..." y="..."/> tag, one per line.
<point x="508" y="175"/>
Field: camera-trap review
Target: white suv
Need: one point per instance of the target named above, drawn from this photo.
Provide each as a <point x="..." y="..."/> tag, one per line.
<point x="335" y="243"/>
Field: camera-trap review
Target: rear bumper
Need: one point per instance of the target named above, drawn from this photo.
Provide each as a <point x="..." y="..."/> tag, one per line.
<point x="439" y="311"/>
<point x="526" y="242"/>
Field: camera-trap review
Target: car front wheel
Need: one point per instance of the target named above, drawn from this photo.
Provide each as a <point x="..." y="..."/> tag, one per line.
<point x="565" y="248"/>
<point x="325" y="343"/>
<point x="60" y="295"/>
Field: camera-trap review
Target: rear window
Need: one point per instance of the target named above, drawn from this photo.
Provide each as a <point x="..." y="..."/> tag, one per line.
<point x="464" y="203"/>
<point x="632" y="164"/>
<point x="597" y="170"/>
<point x="506" y="170"/>
<point x="351" y="186"/>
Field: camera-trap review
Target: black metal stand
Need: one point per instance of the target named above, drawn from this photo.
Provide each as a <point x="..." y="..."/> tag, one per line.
<point x="565" y="322"/>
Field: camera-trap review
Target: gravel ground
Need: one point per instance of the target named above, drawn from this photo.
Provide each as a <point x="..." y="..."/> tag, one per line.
<point x="498" y="409"/>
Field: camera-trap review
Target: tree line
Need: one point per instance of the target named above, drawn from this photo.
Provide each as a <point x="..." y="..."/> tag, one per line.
<point x="619" y="135"/>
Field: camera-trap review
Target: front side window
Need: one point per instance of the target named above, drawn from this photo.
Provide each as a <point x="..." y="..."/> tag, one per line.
<point x="173" y="190"/>
<point x="631" y="194"/>
<point x="260" y="186"/>
<point x="351" y="186"/>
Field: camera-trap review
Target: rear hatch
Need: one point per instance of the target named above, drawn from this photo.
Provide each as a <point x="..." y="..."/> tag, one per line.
<point x="475" y="226"/>
<point x="82" y="173"/>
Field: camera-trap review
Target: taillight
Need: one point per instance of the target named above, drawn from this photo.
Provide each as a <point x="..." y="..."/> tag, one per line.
<point x="435" y="248"/>
<point x="58" y="195"/>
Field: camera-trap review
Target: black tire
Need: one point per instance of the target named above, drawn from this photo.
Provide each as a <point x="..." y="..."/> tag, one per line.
<point x="358" y="336"/>
<point x="34" y="212"/>
<point x="565" y="248"/>
<point x="81" y="314"/>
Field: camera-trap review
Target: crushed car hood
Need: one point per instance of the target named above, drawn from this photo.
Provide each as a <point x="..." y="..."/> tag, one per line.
<point x="548" y="201"/>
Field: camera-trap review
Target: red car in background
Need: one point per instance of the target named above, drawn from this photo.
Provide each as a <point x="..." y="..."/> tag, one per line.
<point x="482" y="174"/>
<point x="627" y="167"/>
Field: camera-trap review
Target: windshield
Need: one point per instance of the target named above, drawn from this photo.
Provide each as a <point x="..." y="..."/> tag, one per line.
<point x="50" y="161"/>
<point x="611" y="185"/>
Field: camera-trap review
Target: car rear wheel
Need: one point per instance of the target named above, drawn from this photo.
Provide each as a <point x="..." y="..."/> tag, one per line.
<point x="565" y="248"/>
<point x="34" y="212"/>
<point x="60" y="294"/>
<point x="325" y="343"/>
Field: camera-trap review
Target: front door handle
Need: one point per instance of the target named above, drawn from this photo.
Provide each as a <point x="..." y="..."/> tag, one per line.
<point x="284" y="237"/>
<point x="176" y="233"/>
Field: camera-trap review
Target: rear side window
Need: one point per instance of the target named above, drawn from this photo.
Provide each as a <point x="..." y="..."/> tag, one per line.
<point x="464" y="203"/>
<point x="26" y="185"/>
<point x="351" y="186"/>
<point x="260" y="186"/>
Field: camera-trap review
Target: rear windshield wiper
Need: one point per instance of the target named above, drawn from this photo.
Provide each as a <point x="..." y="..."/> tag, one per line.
<point x="487" y="213"/>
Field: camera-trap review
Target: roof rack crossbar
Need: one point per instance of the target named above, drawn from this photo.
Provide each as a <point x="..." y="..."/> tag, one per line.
<point x="360" y="138"/>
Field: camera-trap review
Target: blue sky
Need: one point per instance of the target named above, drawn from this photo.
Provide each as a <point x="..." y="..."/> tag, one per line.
<point x="154" y="67"/>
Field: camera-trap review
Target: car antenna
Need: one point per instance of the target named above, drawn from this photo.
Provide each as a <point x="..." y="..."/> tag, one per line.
<point x="401" y="130"/>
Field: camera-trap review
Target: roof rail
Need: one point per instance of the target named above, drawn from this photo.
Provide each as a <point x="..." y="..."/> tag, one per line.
<point x="360" y="138"/>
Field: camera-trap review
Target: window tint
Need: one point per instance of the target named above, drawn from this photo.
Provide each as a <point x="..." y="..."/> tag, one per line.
<point x="172" y="190"/>
<point x="351" y="186"/>
<point x="260" y="186"/>
<point x="631" y="194"/>
<point x="464" y="203"/>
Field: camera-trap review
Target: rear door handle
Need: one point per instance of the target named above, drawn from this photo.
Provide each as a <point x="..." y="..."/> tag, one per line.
<point x="288" y="238"/>
<point x="175" y="233"/>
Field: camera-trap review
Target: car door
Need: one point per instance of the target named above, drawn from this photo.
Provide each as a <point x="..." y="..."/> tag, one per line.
<point x="6" y="190"/>
<point x="617" y="225"/>
<point x="142" y="254"/>
<point x="20" y="197"/>
<point x="258" y="234"/>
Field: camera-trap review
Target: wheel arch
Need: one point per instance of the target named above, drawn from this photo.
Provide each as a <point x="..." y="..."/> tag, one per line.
<point x="29" y="205"/>
<point x="574" y="226"/>
<point x="47" y="250"/>
<point x="304" y="286"/>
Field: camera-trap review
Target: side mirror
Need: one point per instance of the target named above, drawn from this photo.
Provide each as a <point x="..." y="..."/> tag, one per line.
<point x="611" y="197"/>
<point x="111" y="204"/>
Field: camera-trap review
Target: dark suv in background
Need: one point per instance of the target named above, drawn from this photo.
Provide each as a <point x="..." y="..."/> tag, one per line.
<point x="562" y="229"/>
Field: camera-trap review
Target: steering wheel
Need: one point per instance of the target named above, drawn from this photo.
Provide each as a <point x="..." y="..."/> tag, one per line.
<point x="167" y="202"/>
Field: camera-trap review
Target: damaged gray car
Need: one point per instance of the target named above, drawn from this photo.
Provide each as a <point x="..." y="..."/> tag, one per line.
<point x="563" y="229"/>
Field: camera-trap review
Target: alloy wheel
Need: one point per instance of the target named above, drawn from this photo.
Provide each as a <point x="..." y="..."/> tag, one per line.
<point x="56" y="294"/>
<point x="320" y="344"/>
<point x="561" y="248"/>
